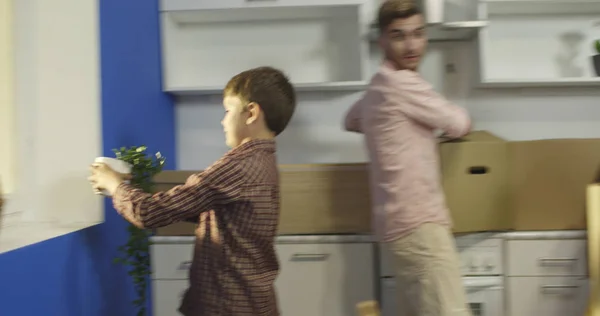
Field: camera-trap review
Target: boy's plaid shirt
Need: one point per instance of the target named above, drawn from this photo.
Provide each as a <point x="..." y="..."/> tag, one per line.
<point x="236" y="203"/>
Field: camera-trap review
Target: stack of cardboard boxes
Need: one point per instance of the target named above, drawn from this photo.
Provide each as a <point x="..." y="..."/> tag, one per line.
<point x="490" y="184"/>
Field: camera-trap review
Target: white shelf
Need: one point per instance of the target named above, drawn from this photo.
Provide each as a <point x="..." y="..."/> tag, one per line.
<point x="322" y="86"/>
<point x="319" y="46"/>
<point x="519" y="83"/>
<point x="445" y="32"/>
<point x="542" y="7"/>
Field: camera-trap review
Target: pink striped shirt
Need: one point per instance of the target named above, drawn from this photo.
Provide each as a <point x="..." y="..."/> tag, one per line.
<point x="399" y="116"/>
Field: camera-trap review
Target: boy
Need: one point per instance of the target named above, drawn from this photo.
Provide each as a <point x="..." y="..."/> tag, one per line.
<point x="236" y="202"/>
<point x="399" y="115"/>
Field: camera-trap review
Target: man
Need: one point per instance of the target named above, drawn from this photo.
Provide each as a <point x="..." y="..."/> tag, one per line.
<point x="235" y="201"/>
<point x="399" y="116"/>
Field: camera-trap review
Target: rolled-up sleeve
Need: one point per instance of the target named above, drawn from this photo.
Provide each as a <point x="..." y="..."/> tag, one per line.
<point x="419" y="102"/>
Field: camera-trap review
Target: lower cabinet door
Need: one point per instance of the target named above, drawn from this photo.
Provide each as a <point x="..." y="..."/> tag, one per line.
<point x="324" y="279"/>
<point x="167" y="295"/>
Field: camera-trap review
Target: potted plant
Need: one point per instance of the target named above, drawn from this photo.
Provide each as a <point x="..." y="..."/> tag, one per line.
<point x="136" y="252"/>
<point x="596" y="57"/>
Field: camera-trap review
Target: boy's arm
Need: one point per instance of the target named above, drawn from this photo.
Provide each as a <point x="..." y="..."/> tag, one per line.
<point x="353" y="120"/>
<point x="418" y="101"/>
<point x="218" y="185"/>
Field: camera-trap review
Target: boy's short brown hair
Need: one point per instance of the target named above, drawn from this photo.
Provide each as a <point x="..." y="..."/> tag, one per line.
<point x="270" y="89"/>
<point x="391" y="10"/>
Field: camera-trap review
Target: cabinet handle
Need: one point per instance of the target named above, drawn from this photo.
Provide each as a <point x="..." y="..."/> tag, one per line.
<point x="556" y="261"/>
<point x="309" y="257"/>
<point x="185" y="265"/>
<point x="549" y="289"/>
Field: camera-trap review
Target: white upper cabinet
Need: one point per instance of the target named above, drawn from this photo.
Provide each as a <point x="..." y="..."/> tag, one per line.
<point x="539" y="43"/>
<point x="320" y="45"/>
<point x="186" y="5"/>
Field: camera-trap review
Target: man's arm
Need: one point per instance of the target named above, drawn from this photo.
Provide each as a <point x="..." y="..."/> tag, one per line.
<point x="216" y="186"/>
<point x="419" y="102"/>
<point x="353" y="120"/>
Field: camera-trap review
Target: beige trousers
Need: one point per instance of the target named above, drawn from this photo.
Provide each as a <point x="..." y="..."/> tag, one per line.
<point x="428" y="273"/>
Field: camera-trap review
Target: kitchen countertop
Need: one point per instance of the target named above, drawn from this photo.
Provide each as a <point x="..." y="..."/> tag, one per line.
<point x="350" y="238"/>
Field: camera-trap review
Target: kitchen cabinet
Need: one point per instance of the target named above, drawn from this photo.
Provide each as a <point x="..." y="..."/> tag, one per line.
<point x="320" y="45"/>
<point x="547" y="277"/>
<point x="548" y="296"/>
<point x="317" y="277"/>
<point x="325" y="279"/>
<point x="538" y="43"/>
<point x="167" y="296"/>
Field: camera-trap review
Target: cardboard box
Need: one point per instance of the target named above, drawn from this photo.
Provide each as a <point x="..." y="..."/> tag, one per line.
<point x="548" y="179"/>
<point x="490" y="185"/>
<point x="475" y="173"/>
<point x="315" y="199"/>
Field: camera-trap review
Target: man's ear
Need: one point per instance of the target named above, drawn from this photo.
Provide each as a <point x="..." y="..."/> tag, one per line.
<point x="253" y="112"/>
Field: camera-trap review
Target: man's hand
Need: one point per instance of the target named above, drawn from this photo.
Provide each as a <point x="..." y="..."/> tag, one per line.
<point x="105" y="178"/>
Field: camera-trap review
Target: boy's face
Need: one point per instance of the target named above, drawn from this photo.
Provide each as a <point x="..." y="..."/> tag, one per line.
<point x="235" y="122"/>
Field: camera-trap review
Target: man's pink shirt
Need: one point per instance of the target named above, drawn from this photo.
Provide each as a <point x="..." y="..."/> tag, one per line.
<point x="399" y="116"/>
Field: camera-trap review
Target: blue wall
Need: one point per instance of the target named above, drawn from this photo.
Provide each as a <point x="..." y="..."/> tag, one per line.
<point x="73" y="275"/>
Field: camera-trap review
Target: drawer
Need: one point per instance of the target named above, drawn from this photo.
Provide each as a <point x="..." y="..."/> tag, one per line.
<point x="167" y="295"/>
<point x="171" y="261"/>
<point x="547" y="296"/>
<point x="546" y="258"/>
<point x="325" y="279"/>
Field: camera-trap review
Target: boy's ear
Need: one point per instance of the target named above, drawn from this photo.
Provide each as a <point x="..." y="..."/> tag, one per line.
<point x="253" y="111"/>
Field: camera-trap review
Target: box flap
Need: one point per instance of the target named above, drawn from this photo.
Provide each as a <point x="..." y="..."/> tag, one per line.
<point x="476" y="136"/>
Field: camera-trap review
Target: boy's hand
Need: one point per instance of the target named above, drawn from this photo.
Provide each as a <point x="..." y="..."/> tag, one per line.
<point x="105" y="178"/>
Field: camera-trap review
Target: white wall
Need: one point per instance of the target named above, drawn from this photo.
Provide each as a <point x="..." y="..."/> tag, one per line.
<point x="57" y="97"/>
<point x="6" y="98"/>
<point x="315" y="134"/>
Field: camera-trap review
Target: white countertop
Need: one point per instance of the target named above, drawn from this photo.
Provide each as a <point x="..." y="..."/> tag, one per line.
<point x="350" y="238"/>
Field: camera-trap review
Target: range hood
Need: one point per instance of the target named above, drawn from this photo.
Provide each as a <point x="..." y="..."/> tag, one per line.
<point x="448" y="20"/>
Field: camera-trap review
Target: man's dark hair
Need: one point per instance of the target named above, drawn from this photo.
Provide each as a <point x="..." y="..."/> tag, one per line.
<point x="391" y="10"/>
<point x="271" y="90"/>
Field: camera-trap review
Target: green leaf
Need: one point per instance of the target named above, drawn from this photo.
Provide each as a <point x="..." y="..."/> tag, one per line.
<point x="598" y="46"/>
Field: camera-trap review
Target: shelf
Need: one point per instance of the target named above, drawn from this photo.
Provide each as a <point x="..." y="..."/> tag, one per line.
<point x="563" y="82"/>
<point x="445" y="32"/>
<point x="542" y="7"/>
<point x="323" y="86"/>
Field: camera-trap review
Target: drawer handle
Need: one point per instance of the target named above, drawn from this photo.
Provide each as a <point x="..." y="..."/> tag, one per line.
<point x="556" y="261"/>
<point x="185" y="265"/>
<point x="309" y="257"/>
<point x="557" y="289"/>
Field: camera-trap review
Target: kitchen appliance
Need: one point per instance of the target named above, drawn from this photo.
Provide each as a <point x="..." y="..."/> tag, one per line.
<point x="482" y="270"/>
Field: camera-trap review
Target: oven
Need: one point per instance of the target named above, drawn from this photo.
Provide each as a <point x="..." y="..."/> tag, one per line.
<point x="485" y="296"/>
<point x="481" y="258"/>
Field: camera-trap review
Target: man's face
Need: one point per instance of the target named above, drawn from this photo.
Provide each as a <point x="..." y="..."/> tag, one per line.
<point x="405" y="41"/>
<point x="234" y="122"/>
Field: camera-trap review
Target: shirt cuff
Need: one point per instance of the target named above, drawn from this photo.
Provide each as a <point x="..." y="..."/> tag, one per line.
<point x="121" y="193"/>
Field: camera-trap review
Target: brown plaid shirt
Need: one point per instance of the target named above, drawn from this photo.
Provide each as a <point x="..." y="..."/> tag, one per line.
<point x="236" y="203"/>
